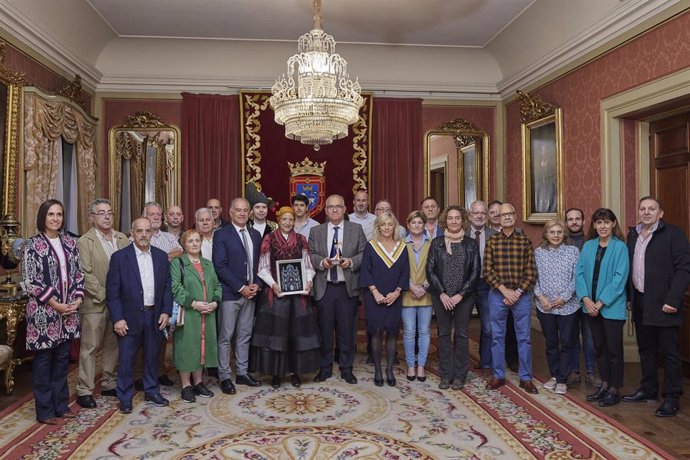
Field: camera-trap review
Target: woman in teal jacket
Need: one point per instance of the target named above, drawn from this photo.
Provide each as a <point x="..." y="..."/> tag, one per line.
<point x="601" y="279"/>
<point x="196" y="288"/>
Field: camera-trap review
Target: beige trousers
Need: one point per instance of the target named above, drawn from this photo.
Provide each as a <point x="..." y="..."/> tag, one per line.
<point x="96" y="333"/>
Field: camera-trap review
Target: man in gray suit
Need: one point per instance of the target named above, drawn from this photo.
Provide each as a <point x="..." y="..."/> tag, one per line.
<point x="481" y="233"/>
<point x="336" y="249"/>
<point x="95" y="249"/>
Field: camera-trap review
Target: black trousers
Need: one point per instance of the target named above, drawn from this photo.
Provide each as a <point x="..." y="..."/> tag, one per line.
<point x="453" y="354"/>
<point x="651" y="340"/>
<point x="337" y="311"/>
<point x="608" y="343"/>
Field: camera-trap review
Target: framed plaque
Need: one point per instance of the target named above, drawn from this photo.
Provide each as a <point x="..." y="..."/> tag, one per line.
<point x="291" y="277"/>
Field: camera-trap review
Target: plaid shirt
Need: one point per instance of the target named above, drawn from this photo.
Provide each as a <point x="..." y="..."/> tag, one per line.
<point x="509" y="260"/>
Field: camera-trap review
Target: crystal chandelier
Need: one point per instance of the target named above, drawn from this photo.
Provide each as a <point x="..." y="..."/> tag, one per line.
<point x="316" y="101"/>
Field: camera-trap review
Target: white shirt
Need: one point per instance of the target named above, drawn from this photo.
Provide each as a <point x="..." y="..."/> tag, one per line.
<point x="62" y="261"/>
<point x="250" y="246"/>
<point x="259" y="227"/>
<point x="367" y="223"/>
<point x="329" y="241"/>
<point x="145" y="262"/>
<point x="481" y="242"/>
<point x="207" y="247"/>
<point x="165" y="242"/>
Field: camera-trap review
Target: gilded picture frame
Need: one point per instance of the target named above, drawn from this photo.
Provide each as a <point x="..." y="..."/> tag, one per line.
<point x="542" y="161"/>
<point x="11" y="88"/>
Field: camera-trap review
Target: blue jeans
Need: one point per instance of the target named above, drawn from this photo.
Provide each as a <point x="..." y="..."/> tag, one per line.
<point x="587" y="345"/>
<point x="414" y="319"/>
<point x="522" y="312"/>
<point x="49" y="381"/>
<point x="482" y="304"/>
<point x="559" y="335"/>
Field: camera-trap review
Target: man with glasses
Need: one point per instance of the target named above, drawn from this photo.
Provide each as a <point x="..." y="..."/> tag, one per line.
<point x="336" y="249"/>
<point x="95" y="248"/>
<point x="510" y="270"/>
<point x="236" y="260"/>
<point x="481" y="233"/>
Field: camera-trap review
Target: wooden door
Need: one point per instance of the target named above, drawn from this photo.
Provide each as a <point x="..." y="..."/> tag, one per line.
<point x="670" y="182"/>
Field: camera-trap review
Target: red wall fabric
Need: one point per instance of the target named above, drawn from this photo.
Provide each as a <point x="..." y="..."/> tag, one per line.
<point x="211" y="155"/>
<point x="657" y="53"/>
<point x="398" y="155"/>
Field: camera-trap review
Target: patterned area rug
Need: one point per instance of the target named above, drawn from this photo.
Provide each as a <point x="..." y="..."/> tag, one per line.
<point x="332" y="420"/>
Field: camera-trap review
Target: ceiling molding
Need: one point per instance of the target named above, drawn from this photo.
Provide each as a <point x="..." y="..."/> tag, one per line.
<point x="22" y="27"/>
<point x="598" y="35"/>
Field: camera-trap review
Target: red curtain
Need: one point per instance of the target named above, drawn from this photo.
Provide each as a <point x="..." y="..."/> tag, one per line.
<point x="211" y="158"/>
<point x="397" y="159"/>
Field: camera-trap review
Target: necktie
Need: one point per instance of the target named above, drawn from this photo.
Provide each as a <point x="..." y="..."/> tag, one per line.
<point x="333" y="274"/>
<point x="250" y="270"/>
<point x="477" y="236"/>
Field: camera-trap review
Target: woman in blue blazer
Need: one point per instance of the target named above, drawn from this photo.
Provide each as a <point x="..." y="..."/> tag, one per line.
<point x="600" y="284"/>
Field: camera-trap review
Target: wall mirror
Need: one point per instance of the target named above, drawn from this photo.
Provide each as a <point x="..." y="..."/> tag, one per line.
<point x="144" y="166"/>
<point x="456" y="158"/>
<point x="542" y="158"/>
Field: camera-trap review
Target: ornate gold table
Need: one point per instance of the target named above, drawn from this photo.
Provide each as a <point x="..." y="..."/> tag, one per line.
<point x="12" y="310"/>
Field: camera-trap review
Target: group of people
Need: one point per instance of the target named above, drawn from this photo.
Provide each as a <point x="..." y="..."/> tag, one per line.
<point x="224" y="277"/>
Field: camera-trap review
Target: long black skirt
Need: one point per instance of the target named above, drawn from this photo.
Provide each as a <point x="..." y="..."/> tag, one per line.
<point x="286" y="337"/>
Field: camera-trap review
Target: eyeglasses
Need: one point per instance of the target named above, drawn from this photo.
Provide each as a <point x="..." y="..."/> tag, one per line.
<point x="507" y="214"/>
<point x="335" y="206"/>
<point x="103" y="213"/>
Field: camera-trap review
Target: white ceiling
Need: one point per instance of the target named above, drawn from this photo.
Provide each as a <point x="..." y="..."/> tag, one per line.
<point x="467" y="23"/>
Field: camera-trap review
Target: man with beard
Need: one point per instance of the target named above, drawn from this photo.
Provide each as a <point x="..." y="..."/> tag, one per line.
<point x="361" y="214"/>
<point x="431" y="211"/>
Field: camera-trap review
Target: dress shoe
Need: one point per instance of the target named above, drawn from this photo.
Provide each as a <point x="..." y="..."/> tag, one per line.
<point x="296" y="381"/>
<point x="139" y="385"/>
<point x="444" y="384"/>
<point x="68" y="414"/>
<point x="639" y="396"/>
<point x="457" y="385"/>
<point x="529" y="387"/>
<point x="227" y="387"/>
<point x="378" y="382"/>
<point x="611" y="399"/>
<point x="412" y="377"/>
<point x="275" y="383"/>
<point x="421" y="378"/>
<point x="86" y="401"/>
<point x="49" y="421"/>
<point x="125" y="407"/>
<point x="349" y="378"/>
<point x="495" y="383"/>
<point x="165" y="381"/>
<point x="390" y="377"/>
<point x="322" y="376"/>
<point x="112" y="393"/>
<point x="156" y="400"/>
<point x="248" y="380"/>
<point x="667" y="409"/>
<point x="598" y="395"/>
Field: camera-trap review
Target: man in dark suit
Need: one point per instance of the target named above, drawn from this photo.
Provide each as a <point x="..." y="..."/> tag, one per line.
<point x="236" y="260"/>
<point x="336" y="288"/>
<point x="139" y="298"/>
<point x="481" y="233"/>
<point x="659" y="277"/>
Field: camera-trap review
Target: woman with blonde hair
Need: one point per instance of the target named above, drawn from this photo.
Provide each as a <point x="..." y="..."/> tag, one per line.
<point x="557" y="304"/>
<point x="384" y="274"/>
<point x="417" y="310"/>
<point x="453" y="270"/>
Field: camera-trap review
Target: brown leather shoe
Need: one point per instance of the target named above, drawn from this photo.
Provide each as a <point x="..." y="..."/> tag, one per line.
<point x="49" y="421"/>
<point x="495" y="383"/>
<point x="529" y="387"/>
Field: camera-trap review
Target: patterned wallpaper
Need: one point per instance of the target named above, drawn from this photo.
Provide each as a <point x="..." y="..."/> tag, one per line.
<point x="657" y="53"/>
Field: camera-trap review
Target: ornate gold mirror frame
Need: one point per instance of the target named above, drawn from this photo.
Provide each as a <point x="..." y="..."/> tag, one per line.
<point x="11" y="87"/>
<point x="151" y="151"/>
<point x="469" y="147"/>
<point x="542" y="158"/>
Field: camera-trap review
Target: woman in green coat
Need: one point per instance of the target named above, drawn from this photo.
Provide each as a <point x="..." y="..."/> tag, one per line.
<point x="197" y="290"/>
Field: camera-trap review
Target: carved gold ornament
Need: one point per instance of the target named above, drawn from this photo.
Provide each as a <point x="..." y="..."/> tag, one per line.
<point x="307" y="168"/>
<point x="73" y="91"/>
<point x="533" y="107"/>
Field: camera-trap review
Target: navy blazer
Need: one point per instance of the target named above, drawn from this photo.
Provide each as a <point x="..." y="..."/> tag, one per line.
<point x="230" y="260"/>
<point x="125" y="294"/>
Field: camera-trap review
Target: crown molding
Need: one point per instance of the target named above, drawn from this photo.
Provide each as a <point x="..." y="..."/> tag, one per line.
<point x="23" y="28"/>
<point x="598" y="37"/>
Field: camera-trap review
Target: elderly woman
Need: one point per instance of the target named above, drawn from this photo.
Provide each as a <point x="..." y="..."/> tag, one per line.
<point x="196" y="288"/>
<point x="602" y="274"/>
<point x="286" y="333"/>
<point x="55" y="283"/>
<point x="453" y="270"/>
<point x="417" y="310"/>
<point x="385" y="271"/>
<point x="557" y="304"/>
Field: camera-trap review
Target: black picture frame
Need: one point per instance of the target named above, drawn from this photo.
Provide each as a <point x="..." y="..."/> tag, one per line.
<point x="291" y="277"/>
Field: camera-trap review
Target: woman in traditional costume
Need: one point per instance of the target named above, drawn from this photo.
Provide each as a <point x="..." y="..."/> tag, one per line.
<point x="384" y="274"/>
<point x="197" y="290"/>
<point x="286" y="335"/>
<point x="55" y="284"/>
